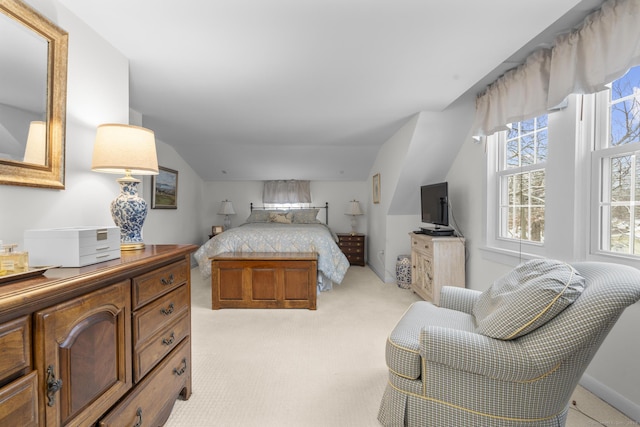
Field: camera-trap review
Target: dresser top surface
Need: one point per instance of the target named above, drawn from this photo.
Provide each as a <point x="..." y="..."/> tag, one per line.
<point x="58" y="284"/>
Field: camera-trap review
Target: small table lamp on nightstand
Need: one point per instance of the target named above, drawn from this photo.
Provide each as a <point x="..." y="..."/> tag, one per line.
<point x="226" y="209"/>
<point x="354" y="210"/>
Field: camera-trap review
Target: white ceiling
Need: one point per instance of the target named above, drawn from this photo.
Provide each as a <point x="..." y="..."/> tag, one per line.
<point x="308" y="89"/>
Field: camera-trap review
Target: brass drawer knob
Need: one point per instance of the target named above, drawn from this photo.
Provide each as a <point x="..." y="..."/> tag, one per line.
<point x="167" y="311"/>
<point x="182" y="369"/>
<point x="170" y="340"/>
<point x="53" y="386"/>
<point x="138" y="418"/>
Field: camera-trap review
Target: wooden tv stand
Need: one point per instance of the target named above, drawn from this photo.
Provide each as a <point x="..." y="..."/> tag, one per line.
<point x="264" y="280"/>
<point x="436" y="262"/>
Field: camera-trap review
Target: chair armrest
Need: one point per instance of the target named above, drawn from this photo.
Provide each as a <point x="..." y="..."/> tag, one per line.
<point x="482" y="355"/>
<point x="459" y="299"/>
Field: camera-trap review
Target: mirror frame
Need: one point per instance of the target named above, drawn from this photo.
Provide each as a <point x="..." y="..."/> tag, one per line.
<point x="50" y="175"/>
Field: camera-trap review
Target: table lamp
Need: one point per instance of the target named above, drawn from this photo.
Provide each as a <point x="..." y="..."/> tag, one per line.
<point x="128" y="150"/>
<point x="353" y="209"/>
<point x="226" y="209"/>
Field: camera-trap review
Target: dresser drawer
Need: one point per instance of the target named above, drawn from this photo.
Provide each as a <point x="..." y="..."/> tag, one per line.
<point x="346" y="239"/>
<point x="355" y="259"/>
<point x="20" y="402"/>
<point x="151" y="402"/>
<point x="150" y="286"/>
<point x="158" y="314"/>
<point x="15" y="348"/>
<point x="148" y="353"/>
<point x="423" y="245"/>
<point x="351" y="250"/>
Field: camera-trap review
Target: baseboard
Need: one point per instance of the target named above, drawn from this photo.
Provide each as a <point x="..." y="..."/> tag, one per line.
<point x="612" y="397"/>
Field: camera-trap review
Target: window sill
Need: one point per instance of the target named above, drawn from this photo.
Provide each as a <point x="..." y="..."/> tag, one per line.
<point x="505" y="256"/>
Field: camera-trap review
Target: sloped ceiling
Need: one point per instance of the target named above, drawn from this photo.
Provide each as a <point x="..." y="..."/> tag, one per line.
<point x="307" y="89"/>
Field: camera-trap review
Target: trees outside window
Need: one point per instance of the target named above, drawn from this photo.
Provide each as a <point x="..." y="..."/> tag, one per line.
<point x="523" y="151"/>
<point x="617" y="148"/>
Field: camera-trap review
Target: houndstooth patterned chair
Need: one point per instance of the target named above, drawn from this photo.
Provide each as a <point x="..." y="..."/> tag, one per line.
<point x="443" y="372"/>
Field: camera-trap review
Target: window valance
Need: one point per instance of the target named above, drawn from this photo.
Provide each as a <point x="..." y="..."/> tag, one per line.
<point x="605" y="46"/>
<point x="286" y="191"/>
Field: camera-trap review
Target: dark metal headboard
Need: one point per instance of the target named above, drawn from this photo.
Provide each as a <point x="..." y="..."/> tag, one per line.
<point x="325" y="207"/>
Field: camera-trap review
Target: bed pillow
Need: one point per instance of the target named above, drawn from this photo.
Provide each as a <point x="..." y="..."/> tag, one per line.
<point x="258" y="216"/>
<point x="526" y="298"/>
<point x="280" y="217"/>
<point x="305" y="216"/>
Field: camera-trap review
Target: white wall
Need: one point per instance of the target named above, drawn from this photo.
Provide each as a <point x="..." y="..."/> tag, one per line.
<point x="180" y="225"/>
<point x="388" y="164"/>
<point x="97" y="92"/>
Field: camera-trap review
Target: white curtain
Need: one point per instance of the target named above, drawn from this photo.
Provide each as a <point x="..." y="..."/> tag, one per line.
<point x="520" y="93"/>
<point x="605" y="46"/>
<point x="286" y="191"/>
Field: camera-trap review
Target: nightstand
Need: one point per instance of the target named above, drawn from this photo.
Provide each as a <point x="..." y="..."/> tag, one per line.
<point x="352" y="245"/>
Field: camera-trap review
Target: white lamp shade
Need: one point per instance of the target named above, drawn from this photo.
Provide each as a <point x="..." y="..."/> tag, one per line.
<point x="36" y="149"/>
<point x="226" y="208"/>
<point x="119" y="148"/>
<point x="353" y="208"/>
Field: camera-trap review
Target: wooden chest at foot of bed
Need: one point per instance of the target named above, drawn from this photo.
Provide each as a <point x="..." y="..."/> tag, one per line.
<point x="264" y="280"/>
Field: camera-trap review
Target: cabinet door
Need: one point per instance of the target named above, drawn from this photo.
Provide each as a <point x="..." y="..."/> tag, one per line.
<point x="83" y="355"/>
<point x="424" y="265"/>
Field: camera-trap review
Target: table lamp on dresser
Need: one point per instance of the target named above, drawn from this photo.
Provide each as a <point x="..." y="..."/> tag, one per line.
<point x="128" y="150"/>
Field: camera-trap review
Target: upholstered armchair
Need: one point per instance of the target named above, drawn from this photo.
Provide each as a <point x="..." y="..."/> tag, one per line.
<point x="509" y="356"/>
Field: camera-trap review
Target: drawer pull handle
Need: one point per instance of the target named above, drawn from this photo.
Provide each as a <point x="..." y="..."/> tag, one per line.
<point x="53" y="386"/>
<point x="169" y="281"/>
<point x="167" y="311"/>
<point x="182" y="369"/>
<point x="138" y="418"/>
<point x="170" y="340"/>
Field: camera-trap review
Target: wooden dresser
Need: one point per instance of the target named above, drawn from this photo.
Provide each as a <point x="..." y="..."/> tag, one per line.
<point x="106" y="344"/>
<point x="352" y="245"/>
<point x="436" y="262"/>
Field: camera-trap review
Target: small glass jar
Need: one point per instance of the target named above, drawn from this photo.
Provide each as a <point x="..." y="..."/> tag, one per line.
<point x="12" y="261"/>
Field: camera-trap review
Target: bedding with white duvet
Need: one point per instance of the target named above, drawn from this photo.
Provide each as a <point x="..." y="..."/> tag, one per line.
<point x="276" y="237"/>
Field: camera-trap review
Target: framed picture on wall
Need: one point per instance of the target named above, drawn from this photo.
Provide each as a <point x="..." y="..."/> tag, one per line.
<point x="164" y="189"/>
<point x="376" y="188"/>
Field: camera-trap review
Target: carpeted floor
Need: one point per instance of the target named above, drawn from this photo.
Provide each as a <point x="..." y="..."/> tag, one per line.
<point x="265" y="368"/>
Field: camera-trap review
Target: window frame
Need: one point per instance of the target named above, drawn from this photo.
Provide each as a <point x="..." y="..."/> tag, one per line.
<point x="601" y="151"/>
<point x="496" y="144"/>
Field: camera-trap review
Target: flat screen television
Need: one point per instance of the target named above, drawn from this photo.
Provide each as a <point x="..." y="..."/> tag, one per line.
<point x="434" y="203"/>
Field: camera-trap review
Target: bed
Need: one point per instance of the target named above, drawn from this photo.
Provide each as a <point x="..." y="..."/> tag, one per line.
<point x="296" y="230"/>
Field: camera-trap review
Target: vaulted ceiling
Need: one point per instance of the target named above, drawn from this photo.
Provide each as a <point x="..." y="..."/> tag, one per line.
<point x="309" y="89"/>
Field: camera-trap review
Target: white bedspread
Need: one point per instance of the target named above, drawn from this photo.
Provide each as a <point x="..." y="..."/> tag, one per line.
<point x="274" y="237"/>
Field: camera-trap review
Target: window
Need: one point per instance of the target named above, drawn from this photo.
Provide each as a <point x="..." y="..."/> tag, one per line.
<point x="616" y="162"/>
<point x="517" y="206"/>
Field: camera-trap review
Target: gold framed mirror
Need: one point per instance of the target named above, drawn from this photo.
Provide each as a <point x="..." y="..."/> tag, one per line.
<point x="24" y="106"/>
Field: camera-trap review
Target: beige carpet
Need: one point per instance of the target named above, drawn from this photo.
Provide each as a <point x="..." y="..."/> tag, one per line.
<point x="304" y="368"/>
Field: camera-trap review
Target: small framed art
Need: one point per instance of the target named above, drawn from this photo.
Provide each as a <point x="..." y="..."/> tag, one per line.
<point x="376" y="188"/>
<point x="164" y="187"/>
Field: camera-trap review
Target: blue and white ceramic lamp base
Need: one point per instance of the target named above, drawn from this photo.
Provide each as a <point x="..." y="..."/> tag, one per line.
<point x="129" y="212"/>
